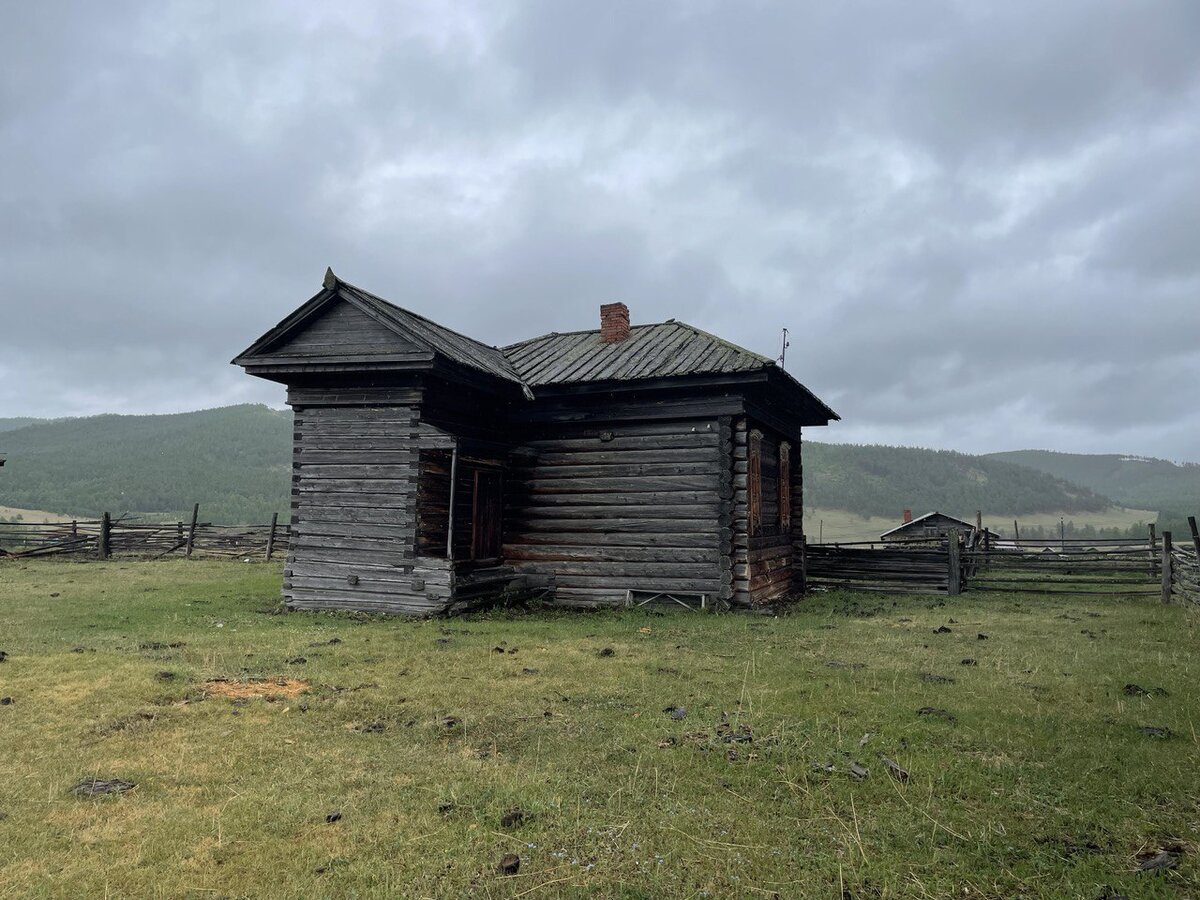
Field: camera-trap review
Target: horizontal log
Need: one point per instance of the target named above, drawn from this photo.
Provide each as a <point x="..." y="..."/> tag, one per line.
<point x="551" y="552"/>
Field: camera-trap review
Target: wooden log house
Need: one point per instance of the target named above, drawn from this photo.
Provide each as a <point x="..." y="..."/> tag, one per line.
<point x="433" y="473"/>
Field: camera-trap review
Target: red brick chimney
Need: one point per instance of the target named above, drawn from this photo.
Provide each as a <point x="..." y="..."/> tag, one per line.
<point x="614" y="322"/>
<point x="907" y="516"/>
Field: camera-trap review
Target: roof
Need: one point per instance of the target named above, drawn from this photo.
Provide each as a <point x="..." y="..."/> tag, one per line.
<point x="454" y="346"/>
<point x="437" y="338"/>
<point x="665" y="349"/>
<point x="650" y="351"/>
<point x="927" y="515"/>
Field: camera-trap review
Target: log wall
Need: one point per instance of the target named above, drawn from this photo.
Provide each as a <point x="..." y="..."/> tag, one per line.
<point x="354" y="481"/>
<point x="613" y="508"/>
<point x="763" y="569"/>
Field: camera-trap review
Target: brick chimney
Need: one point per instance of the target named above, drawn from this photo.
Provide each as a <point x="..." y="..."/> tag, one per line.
<point x="614" y="322"/>
<point x="907" y="516"/>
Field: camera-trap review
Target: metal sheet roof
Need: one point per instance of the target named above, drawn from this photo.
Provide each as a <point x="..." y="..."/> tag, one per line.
<point x="452" y="345"/>
<point x="650" y="351"/>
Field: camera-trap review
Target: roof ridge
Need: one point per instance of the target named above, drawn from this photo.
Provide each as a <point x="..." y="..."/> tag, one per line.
<point x="416" y="315"/>
<point x="550" y="334"/>
<point x="720" y="340"/>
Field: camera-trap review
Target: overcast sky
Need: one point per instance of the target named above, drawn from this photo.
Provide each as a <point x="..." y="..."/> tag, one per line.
<point x="980" y="221"/>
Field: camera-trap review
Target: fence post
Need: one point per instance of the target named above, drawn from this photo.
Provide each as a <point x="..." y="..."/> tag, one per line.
<point x="271" y="536"/>
<point x="803" y="564"/>
<point x="105" y="534"/>
<point x="1166" y="567"/>
<point x="954" y="583"/>
<point x="1153" y="550"/>
<point x="191" y="538"/>
<point x="1195" y="536"/>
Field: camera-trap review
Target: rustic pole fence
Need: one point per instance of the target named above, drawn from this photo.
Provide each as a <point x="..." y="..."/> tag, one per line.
<point x="1167" y="566"/>
<point x="271" y="536"/>
<point x="103" y="543"/>
<point x="954" y="557"/>
<point x="191" y="537"/>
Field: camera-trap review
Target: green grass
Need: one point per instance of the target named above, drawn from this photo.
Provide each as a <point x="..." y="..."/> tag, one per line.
<point x="1042" y="787"/>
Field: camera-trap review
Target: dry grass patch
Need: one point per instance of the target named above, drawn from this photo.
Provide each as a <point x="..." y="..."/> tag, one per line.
<point x="256" y="688"/>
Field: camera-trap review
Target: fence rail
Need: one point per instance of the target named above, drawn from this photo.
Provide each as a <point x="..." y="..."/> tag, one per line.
<point x="972" y="561"/>
<point x="107" y="536"/>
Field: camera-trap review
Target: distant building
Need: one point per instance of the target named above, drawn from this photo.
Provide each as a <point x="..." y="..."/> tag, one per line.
<point x="933" y="526"/>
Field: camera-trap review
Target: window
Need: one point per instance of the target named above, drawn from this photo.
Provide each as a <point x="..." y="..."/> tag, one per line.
<point x="487" y="514"/>
<point x="785" y="486"/>
<point x="754" y="482"/>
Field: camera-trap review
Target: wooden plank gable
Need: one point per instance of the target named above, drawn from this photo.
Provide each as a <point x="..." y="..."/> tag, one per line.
<point x="340" y="331"/>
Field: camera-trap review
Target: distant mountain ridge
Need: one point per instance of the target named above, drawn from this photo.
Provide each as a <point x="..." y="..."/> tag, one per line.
<point x="1148" y="483"/>
<point x="880" y="480"/>
<point x="13" y="424"/>
<point x="236" y="462"/>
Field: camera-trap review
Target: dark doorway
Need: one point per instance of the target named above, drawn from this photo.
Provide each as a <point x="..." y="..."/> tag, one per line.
<point x="487" y="515"/>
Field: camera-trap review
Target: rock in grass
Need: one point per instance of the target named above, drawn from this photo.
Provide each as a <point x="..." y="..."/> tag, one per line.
<point x="941" y="629"/>
<point x="1136" y="690"/>
<point x="930" y="678"/>
<point x="1156" y="731"/>
<point x="934" y="713"/>
<point x="335" y="816"/>
<point x="509" y="865"/>
<point x="164" y="676"/>
<point x="6" y="701"/>
<point x="95" y="787"/>
<point x="981" y="636"/>
<point x="676" y="712"/>
<point x="895" y="770"/>
<point x="969" y="662"/>
<point x="608" y="651"/>
<point x="513" y="818"/>
<point x="3" y="656"/>
<point x="1164" y="860"/>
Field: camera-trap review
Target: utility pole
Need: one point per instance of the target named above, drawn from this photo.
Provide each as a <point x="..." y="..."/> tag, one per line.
<point x="784" y="343"/>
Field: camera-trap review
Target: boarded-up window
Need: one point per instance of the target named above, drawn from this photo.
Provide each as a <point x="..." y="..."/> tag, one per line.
<point x="487" y="515"/>
<point x="754" y="482"/>
<point x="785" y="486"/>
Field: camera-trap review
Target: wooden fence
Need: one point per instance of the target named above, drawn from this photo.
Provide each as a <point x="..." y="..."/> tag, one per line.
<point x="106" y="536"/>
<point x="976" y="562"/>
<point x="916" y="568"/>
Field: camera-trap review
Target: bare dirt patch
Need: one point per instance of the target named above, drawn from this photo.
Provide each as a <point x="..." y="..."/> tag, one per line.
<point x="256" y="688"/>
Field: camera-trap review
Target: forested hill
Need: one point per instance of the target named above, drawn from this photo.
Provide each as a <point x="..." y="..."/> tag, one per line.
<point x="876" y="480"/>
<point x="1171" y="488"/>
<point x="234" y="461"/>
<point x="10" y="424"/>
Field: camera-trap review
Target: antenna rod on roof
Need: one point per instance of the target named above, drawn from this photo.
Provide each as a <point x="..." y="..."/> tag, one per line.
<point x="784" y="344"/>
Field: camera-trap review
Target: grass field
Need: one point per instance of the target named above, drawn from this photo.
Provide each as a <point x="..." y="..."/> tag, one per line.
<point x="840" y="525"/>
<point x="1035" y="782"/>
<point x="13" y="513"/>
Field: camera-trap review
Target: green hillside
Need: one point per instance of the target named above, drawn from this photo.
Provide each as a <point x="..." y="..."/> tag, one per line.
<point x="876" y="480"/>
<point x="1171" y="488"/>
<point x="12" y="424"/>
<point x="234" y="461"/>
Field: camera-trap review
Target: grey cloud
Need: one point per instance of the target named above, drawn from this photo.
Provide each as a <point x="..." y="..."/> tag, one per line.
<point x="979" y="222"/>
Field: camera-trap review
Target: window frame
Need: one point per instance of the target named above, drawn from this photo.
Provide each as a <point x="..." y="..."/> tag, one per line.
<point x="754" y="482"/>
<point x="784" y="486"/>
